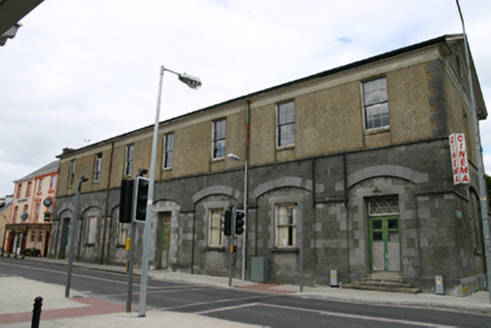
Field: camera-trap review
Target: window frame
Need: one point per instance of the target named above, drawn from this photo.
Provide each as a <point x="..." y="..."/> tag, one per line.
<point x="29" y="189"/>
<point x="280" y="124"/>
<point x="19" y="190"/>
<point x="37" y="210"/>
<point x="213" y="228"/>
<point x="92" y="230"/>
<point x="123" y="234"/>
<point x="25" y="209"/>
<point x="216" y="153"/>
<point x="384" y="101"/>
<point x="97" y="167"/>
<point x="292" y="227"/>
<point x="129" y="156"/>
<point x="40" y="186"/>
<point x="15" y="214"/>
<point x="52" y="183"/>
<point x="71" y="172"/>
<point x="168" y="157"/>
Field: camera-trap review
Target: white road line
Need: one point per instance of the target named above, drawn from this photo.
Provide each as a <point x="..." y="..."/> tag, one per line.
<point x="362" y="317"/>
<point x="230" y="308"/>
<point x="216" y="302"/>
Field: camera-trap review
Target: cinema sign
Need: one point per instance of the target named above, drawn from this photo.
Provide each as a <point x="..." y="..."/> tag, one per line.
<point x="460" y="165"/>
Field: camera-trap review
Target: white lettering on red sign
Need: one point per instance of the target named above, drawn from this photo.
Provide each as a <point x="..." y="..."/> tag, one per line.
<point x="460" y="165"/>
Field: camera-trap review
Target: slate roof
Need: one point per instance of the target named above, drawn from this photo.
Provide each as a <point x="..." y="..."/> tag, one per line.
<point x="51" y="167"/>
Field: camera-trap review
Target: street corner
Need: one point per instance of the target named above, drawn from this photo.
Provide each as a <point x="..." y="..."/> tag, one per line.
<point x="18" y="295"/>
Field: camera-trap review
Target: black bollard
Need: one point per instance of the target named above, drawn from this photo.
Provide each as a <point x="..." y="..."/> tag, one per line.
<point x="36" y="312"/>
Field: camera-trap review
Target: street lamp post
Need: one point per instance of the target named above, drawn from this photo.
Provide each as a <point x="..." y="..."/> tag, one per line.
<point x="73" y="231"/>
<point x="244" y="242"/>
<point x="193" y="83"/>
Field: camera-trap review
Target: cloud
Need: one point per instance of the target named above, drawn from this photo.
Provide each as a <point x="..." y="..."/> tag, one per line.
<point x="90" y="70"/>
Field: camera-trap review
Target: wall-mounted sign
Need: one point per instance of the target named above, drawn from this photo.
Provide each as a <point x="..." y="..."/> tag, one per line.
<point x="460" y="165"/>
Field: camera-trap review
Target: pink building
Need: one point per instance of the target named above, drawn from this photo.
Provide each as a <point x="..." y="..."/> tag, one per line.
<point x="29" y="227"/>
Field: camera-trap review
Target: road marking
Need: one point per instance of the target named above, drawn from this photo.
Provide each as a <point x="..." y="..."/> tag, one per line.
<point x="362" y="317"/>
<point x="229" y="308"/>
<point x="218" y="302"/>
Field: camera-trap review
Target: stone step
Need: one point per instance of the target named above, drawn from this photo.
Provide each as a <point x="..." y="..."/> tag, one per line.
<point x="384" y="281"/>
<point x="386" y="275"/>
<point x="381" y="288"/>
<point x="389" y="283"/>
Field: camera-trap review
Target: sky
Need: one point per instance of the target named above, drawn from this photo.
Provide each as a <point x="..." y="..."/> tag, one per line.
<point x="79" y="72"/>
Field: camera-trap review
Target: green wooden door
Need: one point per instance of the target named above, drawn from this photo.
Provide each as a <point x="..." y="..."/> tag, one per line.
<point x="163" y="240"/>
<point x="384" y="235"/>
<point x="385" y="244"/>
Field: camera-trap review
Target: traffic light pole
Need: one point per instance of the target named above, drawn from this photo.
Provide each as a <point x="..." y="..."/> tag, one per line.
<point x="232" y="237"/>
<point x="131" y="259"/>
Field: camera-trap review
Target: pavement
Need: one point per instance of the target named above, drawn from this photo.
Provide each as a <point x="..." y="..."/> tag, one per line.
<point x="81" y="310"/>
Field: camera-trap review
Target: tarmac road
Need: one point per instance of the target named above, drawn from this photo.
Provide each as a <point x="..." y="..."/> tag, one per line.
<point x="272" y="306"/>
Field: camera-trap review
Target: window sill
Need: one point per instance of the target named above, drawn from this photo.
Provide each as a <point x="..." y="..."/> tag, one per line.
<point x="285" y="250"/>
<point x="377" y="130"/>
<point x="215" y="248"/>
<point x="287" y="147"/>
<point x="218" y="159"/>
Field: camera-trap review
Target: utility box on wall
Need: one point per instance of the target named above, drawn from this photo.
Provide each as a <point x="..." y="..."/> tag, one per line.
<point x="334" y="278"/>
<point x="439" y="288"/>
<point x="260" y="270"/>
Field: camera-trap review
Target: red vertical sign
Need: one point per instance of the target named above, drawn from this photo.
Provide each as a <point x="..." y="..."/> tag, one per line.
<point x="460" y="165"/>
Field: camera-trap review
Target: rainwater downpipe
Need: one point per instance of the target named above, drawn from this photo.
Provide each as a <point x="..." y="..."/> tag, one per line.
<point x="104" y="228"/>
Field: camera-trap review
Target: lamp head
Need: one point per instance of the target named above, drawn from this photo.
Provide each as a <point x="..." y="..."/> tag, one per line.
<point x="191" y="81"/>
<point x="233" y="157"/>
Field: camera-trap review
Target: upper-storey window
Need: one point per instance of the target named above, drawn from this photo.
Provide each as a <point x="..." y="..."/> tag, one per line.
<point x="375" y="103"/>
<point x="71" y="174"/>
<point x="219" y="132"/>
<point x="14" y="216"/>
<point x="129" y="159"/>
<point x="97" y="167"/>
<point x="40" y="186"/>
<point x="29" y="187"/>
<point x="19" y="190"/>
<point x="286" y="124"/>
<point x="52" y="183"/>
<point x="168" y="150"/>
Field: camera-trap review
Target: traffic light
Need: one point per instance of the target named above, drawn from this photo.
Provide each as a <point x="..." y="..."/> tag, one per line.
<point x="126" y="201"/>
<point x="239" y="222"/>
<point x="227" y="223"/>
<point x="141" y="199"/>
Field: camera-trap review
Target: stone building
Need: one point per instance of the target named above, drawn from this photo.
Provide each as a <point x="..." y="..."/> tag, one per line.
<point x="363" y="149"/>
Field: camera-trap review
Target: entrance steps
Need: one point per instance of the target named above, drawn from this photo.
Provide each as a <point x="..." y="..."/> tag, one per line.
<point x="384" y="281"/>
